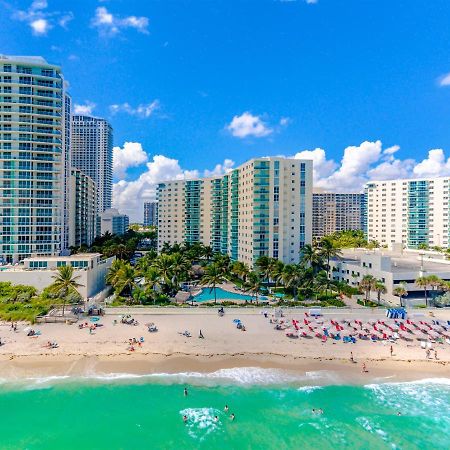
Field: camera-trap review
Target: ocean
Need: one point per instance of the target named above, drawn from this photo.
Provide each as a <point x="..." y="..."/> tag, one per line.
<point x="273" y="410"/>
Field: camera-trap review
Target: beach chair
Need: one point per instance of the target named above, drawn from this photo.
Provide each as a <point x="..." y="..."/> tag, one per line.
<point x="324" y="339"/>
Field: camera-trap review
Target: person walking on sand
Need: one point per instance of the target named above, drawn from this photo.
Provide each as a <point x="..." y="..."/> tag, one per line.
<point x="351" y="357"/>
<point x="435" y="354"/>
<point x="200" y="335"/>
<point x="364" y="368"/>
<point x="392" y="350"/>
<point x="428" y="353"/>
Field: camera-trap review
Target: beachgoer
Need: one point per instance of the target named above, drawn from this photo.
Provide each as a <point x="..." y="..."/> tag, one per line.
<point x="185" y="392"/>
<point x="428" y="353"/>
<point x="314" y="410"/>
<point x="364" y="368"/>
<point x="351" y="357"/>
<point x="232" y="416"/>
<point x="185" y="419"/>
<point x="320" y="411"/>
<point x="200" y="335"/>
<point x="435" y="354"/>
<point x="226" y="408"/>
<point x="216" y="419"/>
<point x="392" y="350"/>
<point x="399" y="413"/>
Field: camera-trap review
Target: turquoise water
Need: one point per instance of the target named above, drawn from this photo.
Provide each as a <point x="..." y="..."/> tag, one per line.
<point x="206" y="296"/>
<point x="273" y="411"/>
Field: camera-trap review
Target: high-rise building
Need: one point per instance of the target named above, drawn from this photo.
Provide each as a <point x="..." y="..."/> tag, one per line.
<point x="150" y="214"/>
<point x="263" y="207"/>
<point x="337" y="212"/>
<point x="65" y="185"/>
<point x="92" y="143"/>
<point x="113" y="222"/>
<point x="409" y="211"/>
<point x="32" y="159"/>
<point x="82" y="211"/>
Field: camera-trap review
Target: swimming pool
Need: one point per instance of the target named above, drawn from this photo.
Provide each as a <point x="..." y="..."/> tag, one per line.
<point x="207" y="295"/>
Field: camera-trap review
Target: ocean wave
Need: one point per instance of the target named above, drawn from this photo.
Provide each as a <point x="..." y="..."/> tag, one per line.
<point x="242" y="376"/>
<point x="201" y="421"/>
<point x="309" y="389"/>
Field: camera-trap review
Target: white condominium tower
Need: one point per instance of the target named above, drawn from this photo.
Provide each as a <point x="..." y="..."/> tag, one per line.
<point x="33" y="158"/>
<point x="411" y="212"/>
<point x="263" y="207"/>
<point x="92" y="143"/>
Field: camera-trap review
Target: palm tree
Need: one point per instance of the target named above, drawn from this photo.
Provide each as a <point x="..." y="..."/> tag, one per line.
<point x="276" y="271"/>
<point x="311" y="257"/>
<point x="163" y="264"/>
<point x="223" y="262"/>
<point x="328" y="250"/>
<point x="424" y="282"/>
<point x="380" y="289"/>
<point x="180" y="268"/>
<point x="435" y="283"/>
<point x="240" y="269"/>
<point x="254" y="284"/>
<point x="152" y="281"/>
<point x="65" y="284"/>
<point x="322" y="283"/>
<point x="126" y="280"/>
<point x="213" y="276"/>
<point x="367" y="284"/>
<point x="292" y="276"/>
<point x="112" y="275"/>
<point x="400" y="292"/>
<point x="264" y="265"/>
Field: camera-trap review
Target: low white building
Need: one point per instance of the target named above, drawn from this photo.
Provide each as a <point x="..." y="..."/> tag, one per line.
<point x="39" y="272"/>
<point x="393" y="268"/>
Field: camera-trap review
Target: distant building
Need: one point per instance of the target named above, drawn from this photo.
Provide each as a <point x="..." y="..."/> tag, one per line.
<point x="337" y="212"/>
<point x="263" y="207"/>
<point x="39" y="272"/>
<point x="82" y="214"/>
<point x="151" y="214"/>
<point x="34" y="113"/>
<point x="113" y="222"/>
<point x="411" y="212"/>
<point x="92" y="144"/>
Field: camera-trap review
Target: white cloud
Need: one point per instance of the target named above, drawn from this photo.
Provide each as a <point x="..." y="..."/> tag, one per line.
<point x="247" y="125"/>
<point x="40" y="26"/>
<point x="444" y="80"/>
<point x="109" y="24"/>
<point x="436" y="165"/>
<point x="391" y="150"/>
<point x="84" y="110"/>
<point x="129" y="195"/>
<point x="322" y="167"/>
<point x="142" y="110"/>
<point x="40" y="20"/>
<point x="312" y="2"/>
<point x="388" y="170"/>
<point x="220" y="169"/>
<point x="130" y="155"/>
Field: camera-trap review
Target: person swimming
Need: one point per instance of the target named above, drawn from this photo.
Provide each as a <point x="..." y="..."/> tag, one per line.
<point x="185" y="419"/>
<point x="232" y="416"/>
<point x="216" y="419"/>
<point x="226" y="408"/>
<point x="185" y="392"/>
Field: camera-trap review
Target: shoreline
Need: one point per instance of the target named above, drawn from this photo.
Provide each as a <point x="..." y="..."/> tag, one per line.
<point x="306" y="371"/>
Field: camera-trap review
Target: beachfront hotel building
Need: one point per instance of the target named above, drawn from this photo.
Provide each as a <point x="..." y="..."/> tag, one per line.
<point x="34" y="154"/>
<point x="92" y="148"/>
<point x="150" y="214"/>
<point x="334" y="212"/>
<point x="82" y="211"/>
<point x="408" y="211"/>
<point x="263" y="207"/>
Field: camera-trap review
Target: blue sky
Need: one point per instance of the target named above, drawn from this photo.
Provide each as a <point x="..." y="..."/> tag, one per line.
<point x="359" y="85"/>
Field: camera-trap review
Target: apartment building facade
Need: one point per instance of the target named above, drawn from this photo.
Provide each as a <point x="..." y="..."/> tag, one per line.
<point x="263" y="207"/>
<point x="334" y="212"/>
<point x="92" y="147"/>
<point x="33" y="158"/>
<point x="408" y="211"/>
<point x="82" y="211"/>
<point x="150" y="214"/>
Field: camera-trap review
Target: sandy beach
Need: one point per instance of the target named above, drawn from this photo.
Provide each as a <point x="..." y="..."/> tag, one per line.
<point x="106" y="351"/>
